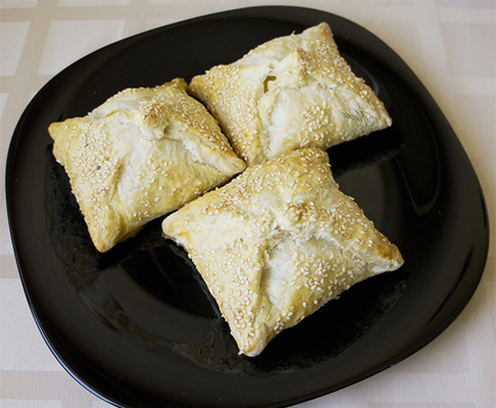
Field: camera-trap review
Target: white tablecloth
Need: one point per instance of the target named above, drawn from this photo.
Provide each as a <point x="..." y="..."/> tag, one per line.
<point x="450" y="44"/>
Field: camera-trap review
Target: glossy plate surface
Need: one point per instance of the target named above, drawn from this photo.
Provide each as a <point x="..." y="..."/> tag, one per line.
<point x="136" y="325"/>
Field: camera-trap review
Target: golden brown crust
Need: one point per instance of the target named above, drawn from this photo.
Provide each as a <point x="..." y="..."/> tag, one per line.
<point x="277" y="243"/>
<point x="290" y="92"/>
<point x="141" y="154"/>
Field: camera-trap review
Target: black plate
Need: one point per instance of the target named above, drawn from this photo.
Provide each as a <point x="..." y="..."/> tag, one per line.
<point x="135" y="325"/>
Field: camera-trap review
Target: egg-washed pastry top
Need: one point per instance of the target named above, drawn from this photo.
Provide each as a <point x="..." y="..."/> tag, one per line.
<point x="290" y="92"/>
<point x="277" y="243"/>
<point x="141" y="154"/>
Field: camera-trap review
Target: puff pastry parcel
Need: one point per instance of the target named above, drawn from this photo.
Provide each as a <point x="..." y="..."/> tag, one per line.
<point x="277" y="243"/>
<point x="290" y="92"/>
<point x="141" y="154"/>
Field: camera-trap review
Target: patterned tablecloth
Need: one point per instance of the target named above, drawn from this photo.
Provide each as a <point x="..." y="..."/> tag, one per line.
<point x="450" y="44"/>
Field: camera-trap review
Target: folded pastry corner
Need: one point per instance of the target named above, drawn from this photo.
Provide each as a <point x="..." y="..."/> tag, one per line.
<point x="141" y="154"/>
<point x="277" y="243"/>
<point x="291" y="92"/>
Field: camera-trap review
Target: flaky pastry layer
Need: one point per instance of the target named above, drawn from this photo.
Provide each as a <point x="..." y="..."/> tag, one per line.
<point x="141" y="154"/>
<point x="290" y="92"/>
<point x="277" y="243"/>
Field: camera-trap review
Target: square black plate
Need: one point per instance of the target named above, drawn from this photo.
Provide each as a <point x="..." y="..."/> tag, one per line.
<point x="136" y="326"/>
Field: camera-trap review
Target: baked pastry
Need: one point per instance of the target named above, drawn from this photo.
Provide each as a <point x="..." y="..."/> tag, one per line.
<point x="277" y="243"/>
<point x="142" y="153"/>
<point x="290" y="92"/>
